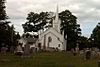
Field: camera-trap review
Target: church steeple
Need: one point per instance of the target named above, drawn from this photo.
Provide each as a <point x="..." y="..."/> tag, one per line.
<point x="56" y="22"/>
<point x="57" y="16"/>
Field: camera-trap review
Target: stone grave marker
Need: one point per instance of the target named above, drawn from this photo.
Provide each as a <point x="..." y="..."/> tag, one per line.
<point x="19" y="50"/>
<point x="26" y="50"/>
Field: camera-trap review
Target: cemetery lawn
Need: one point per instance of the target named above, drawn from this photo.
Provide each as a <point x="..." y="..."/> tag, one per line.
<point x="46" y="59"/>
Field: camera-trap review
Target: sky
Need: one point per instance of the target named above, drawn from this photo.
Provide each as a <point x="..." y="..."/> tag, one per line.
<point x="86" y="11"/>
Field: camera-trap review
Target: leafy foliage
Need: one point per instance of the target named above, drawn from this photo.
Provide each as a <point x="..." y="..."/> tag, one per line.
<point x="70" y="27"/>
<point x="7" y="33"/>
<point x="95" y="36"/>
<point x="3" y="15"/>
<point x="83" y="42"/>
<point x="36" y="22"/>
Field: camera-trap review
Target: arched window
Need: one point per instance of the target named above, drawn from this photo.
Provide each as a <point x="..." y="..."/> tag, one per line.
<point x="49" y="39"/>
<point x="58" y="45"/>
<point x="58" y="38"/>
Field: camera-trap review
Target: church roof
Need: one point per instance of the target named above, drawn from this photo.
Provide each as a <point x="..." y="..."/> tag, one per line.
<point x="28" y="40"/>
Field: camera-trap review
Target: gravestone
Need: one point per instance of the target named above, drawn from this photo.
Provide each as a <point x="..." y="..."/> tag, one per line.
<point x="88" y="54"/>
<point x="33" y="50"/>
<point x="19" y="50"/>
<point x="73" y="51"/>
<point x="77" y="48"/>
<point x="95" y="53"/>
<point x="81" y="52"/>
<point x="26" y="50"/>
<point x="3" y="49"/>
<point x="12" y="49"/>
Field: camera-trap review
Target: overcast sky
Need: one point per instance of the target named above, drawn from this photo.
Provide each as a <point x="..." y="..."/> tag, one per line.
<point x="87" y="11"/>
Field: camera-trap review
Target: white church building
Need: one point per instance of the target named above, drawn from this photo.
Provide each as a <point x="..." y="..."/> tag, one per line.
<point x="49" y="39"/>
<point x="52" y="38"/>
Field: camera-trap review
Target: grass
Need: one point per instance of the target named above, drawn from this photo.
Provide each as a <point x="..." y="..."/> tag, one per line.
<point x="45" y="59"/>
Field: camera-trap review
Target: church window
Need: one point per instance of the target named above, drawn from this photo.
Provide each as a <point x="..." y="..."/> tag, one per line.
<point x="58" y="45"/>
<point x="49" y="39"/>
<point x="58" y="38"/>
<point x="39" y="45"/>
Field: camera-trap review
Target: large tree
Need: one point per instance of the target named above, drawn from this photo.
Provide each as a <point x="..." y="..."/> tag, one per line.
<point x="3" y="15"/>
<point x="70" y="27"/>
<point x="36" y="22"/>
<point x="7" y="33"/>
<point x="95" y="36"/>
<point x="3" y="24"/>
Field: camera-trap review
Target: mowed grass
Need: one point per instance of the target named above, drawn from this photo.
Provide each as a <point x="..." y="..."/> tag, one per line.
<point x="46" y="59"/>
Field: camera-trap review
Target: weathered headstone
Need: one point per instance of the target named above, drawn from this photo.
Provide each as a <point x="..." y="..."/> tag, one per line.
<point x="26" y="50"/>
<point x="73" y="51"/>
<point x="93" y="53"/>
<point x="81" y="52"/>
<point x="88" y="54"/>
<point x="19" y="50"/>
<point x="33" y="50"/>
<point x="77" y="48"/>
<point x="12" y="49"/>
<point x="3" y="50"/>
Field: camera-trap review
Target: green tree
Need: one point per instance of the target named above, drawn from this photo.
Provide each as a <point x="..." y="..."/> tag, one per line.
<point x="7" y="33"/>
<point x="95" y="36"/>
<point x="83" y="42"/>
<point x="3" y="23"/>
<point x="36" y="22"/>
<point x="3" y="15"/>
<point x="70" y="27"/>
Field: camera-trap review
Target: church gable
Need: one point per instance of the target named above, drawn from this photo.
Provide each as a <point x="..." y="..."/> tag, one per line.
<point x="53" y="32"/>
<point x="51" y="39"/>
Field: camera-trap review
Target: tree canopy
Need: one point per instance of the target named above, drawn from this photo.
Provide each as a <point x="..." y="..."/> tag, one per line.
<point x="95" y="36"/>
<point x="3" y="15"/>
<point x="70" y="27"/>
<point x="36" y="22"/>
<point x="7" y="33"/>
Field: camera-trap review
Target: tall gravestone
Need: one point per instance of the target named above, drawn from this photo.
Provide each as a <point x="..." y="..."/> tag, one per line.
<point x="77" y="48"/>
<point x="73" y="51"/>
<point x="3" y="49"/>
<point x="26" y="50"/>
<point x="19" y="50"/>
<point x="88" y="54"/>
<point x="12" y="49"/>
